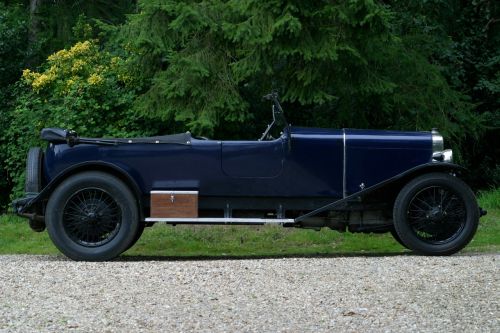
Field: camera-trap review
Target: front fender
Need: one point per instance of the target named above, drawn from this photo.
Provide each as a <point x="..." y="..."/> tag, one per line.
<point x="430" y="167"/>
<point x="402" y="178"/>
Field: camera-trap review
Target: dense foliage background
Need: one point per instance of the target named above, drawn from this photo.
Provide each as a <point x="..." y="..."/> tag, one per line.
<point x="149" y="67"/>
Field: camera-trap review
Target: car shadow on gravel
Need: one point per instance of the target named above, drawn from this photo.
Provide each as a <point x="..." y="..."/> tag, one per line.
<point x="260" y="257"/>
<point x="145" y="258"/>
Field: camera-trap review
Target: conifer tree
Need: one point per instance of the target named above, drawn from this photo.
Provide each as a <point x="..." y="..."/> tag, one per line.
<point x="203" y="64"/>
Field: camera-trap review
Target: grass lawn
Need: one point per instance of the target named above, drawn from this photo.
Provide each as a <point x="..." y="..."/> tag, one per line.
<point x="247" y="241"/>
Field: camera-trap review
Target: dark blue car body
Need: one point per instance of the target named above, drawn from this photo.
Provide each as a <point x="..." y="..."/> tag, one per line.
<point x="95" y="195"/>
<point x="315" y="163"/>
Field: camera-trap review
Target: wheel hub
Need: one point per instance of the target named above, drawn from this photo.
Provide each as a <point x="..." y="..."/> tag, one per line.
<point x="435" y="214"/>
<point x="92" y="218"/>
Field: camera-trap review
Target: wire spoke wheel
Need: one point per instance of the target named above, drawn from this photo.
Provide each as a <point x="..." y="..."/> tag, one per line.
<point x="436" y="214"/>
<point x="91" y="217"/>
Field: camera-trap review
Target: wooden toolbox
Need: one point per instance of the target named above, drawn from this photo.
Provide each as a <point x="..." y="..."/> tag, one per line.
<point x="167" y="204"/>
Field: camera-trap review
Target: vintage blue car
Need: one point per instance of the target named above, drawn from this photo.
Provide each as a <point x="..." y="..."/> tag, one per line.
<point x="95" y="196"/>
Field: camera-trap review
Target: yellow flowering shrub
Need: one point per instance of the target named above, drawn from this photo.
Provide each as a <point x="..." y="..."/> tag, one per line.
<point x="82" y="88"/>
<point x="81" y="67"/>
<point x="95" y="79"/>
<point x="78" y="66"/>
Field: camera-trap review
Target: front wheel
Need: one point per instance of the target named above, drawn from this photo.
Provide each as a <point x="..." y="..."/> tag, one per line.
<point x="92" y="216"/>
<point x="396" y="237"/>
<point x="436" y="214"/>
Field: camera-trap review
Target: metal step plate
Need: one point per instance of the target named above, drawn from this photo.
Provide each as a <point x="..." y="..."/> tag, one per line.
<point x="218" y="220"/>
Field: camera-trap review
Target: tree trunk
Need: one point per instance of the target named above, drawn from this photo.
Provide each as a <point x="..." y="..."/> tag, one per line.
<point x="34" y="31"/>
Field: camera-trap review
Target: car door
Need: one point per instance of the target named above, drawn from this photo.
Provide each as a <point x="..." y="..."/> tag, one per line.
<point x="253" y="159"/>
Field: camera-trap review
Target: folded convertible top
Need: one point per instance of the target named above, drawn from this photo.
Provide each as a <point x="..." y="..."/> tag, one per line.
<point x="59" y="135"/>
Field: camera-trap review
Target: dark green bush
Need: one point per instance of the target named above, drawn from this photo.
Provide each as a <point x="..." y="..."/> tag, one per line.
<point x="13" y="53"/>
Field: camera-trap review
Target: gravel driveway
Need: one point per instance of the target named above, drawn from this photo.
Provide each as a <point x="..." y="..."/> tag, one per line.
<point x="354" y="294"/>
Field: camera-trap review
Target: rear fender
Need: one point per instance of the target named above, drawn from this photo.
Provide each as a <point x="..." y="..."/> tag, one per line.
<point x="88" y="166"/>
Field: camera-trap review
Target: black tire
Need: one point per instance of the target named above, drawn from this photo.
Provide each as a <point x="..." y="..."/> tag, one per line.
<point x="33" y="182"/>
<point x="436" y="214"/>
<point x="138" y="235"/>
<point x="396" y="237"/>
<point x="92" y="216"/>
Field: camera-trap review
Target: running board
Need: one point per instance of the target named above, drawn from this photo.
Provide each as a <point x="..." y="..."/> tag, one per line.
<point x="218" y="220"/>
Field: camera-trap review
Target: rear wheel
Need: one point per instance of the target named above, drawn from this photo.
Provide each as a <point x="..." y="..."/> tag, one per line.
<point x="92" y="216"/>
<point x="138" y="235"/>
<point x="436" y="214"/>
